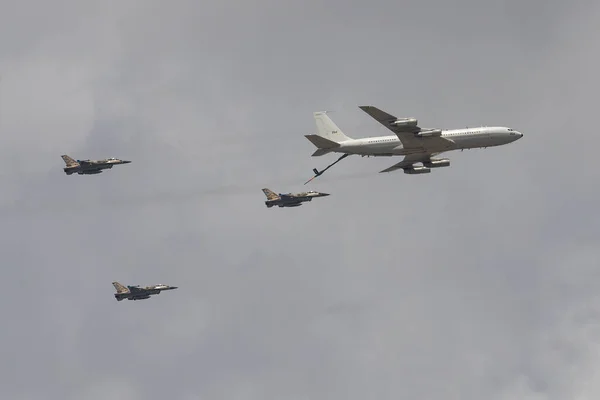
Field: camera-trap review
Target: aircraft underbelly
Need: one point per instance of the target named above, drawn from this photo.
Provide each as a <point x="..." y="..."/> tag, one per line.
<point x="471" y="142"/>
<point x="290" y="204"/>
<point x="377" y="149"/>
<point x="397" y="149"/>
<point x="497" y="141"/>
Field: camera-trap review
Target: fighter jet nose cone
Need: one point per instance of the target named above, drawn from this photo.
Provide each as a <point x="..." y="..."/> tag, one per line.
<point x="173" y="287"/>
<point x="126" y="162"/>
<point x="324" y="194"/>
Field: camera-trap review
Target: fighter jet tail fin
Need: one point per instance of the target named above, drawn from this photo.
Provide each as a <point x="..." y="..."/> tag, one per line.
<point x="69" y="161"/>
<point x="120" y="288"/>
<point x="327" y="129"/>
<point x="270" y="194"/>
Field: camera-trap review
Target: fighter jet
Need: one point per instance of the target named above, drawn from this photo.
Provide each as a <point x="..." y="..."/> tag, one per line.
<point x="89" y="167"/>
<point x="289" y="199"/>
<point x="138" y="293"/>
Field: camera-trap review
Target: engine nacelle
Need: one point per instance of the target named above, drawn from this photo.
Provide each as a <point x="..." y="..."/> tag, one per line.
<point x="417" y="170"/>
<point x="404" y="122"/>
<point x="437" y="163"/>
<point x="429" y="133"/>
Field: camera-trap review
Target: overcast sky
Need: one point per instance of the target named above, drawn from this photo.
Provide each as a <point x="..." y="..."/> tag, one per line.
<point x="477" y="281"/>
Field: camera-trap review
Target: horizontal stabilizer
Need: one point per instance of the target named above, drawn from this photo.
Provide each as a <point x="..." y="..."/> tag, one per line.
<point x="321" y="142"/>
<point x="321" y="152"/>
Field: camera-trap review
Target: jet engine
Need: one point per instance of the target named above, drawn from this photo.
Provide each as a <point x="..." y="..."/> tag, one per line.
<point x="404" y="122"/>
<point x="437" y="163"/>
<point x="429" y="133"/>
<point x="417" y="170"/>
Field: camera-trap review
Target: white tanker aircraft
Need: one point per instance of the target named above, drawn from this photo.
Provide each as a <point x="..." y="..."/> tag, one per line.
<point x="418" y="145"/>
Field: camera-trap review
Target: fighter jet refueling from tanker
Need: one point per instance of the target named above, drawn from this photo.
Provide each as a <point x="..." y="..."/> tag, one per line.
<point x="89" y="167"/>
<point x="290" y="199"/>
<point x="416" y="144"/>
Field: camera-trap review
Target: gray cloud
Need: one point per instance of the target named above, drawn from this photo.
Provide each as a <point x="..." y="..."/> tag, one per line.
<point x="476" y="281"/>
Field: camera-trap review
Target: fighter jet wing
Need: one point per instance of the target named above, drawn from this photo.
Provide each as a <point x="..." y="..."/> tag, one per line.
<point x="85" y="162"/>
<point x="407" y="130"/>
<point x="408" y="161"/>
<point x="134" y="289"/>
